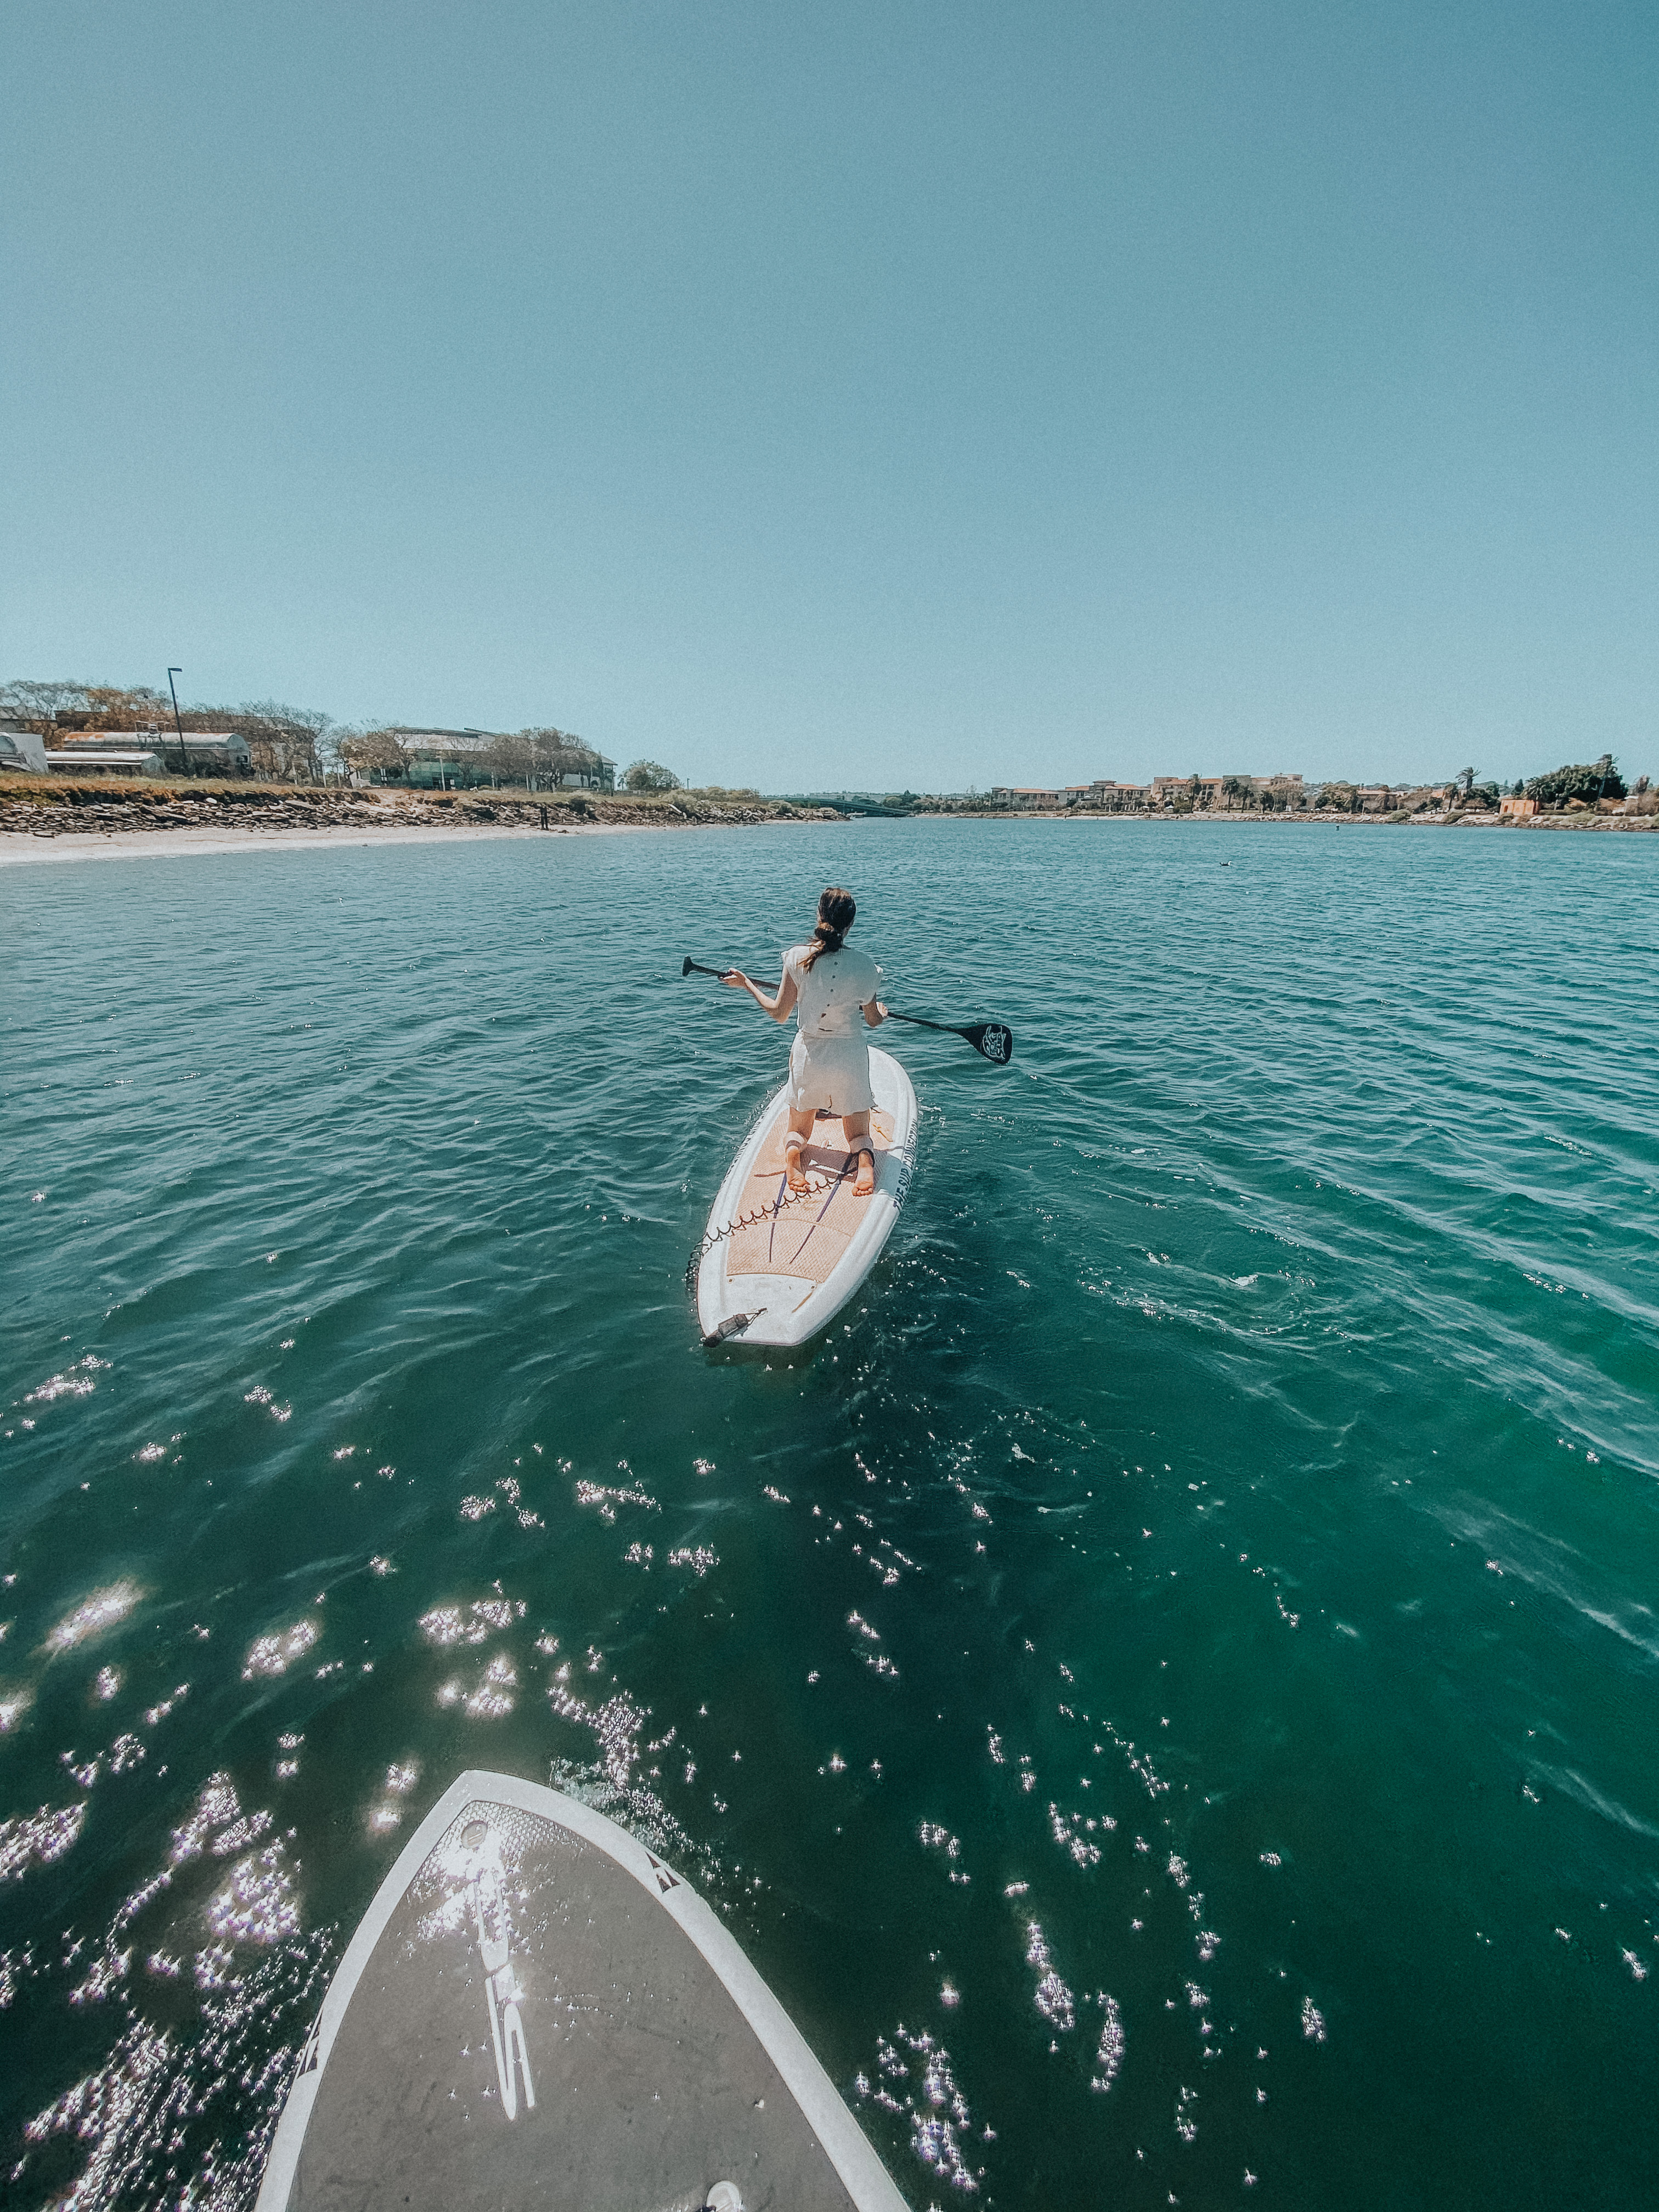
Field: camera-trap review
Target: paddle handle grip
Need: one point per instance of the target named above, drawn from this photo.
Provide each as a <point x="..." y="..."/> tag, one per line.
<point x="689" y="967"/>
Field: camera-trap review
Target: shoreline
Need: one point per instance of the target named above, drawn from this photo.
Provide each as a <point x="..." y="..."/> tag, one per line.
<point x="1574" y="822"/>
<point x="22" y="848"/>
<point x="104" y="820"/>
<point x="37" y="845"/>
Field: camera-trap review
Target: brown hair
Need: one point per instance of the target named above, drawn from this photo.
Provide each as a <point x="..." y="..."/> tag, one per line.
<point x="836" y="913"/>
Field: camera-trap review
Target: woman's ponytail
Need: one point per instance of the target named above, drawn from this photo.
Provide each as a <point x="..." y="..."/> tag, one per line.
<point x="835" y="914"/>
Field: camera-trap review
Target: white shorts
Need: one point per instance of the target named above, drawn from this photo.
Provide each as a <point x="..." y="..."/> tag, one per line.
<point x="832" y="1072"/>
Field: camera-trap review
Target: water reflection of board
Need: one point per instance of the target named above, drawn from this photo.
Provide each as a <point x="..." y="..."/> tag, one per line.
<point x="536" y="2011"/>
<point x="777" y="1268"/>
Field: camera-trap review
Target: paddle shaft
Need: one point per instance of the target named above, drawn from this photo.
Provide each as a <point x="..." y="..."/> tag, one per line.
<point x="993" y="1041"/>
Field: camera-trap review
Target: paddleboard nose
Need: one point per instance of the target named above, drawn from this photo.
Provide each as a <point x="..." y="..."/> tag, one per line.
<point x="620" y="2050"/>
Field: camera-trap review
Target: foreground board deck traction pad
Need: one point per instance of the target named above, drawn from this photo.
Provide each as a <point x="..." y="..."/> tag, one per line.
<point x="808" y="1239"/>
<point x="536" y="2011"/>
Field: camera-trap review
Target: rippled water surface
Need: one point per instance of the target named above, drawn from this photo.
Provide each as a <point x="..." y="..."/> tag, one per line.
<point x="1165" y="1691"/>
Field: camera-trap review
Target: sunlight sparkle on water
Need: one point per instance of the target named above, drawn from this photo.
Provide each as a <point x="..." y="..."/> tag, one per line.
<point x="99" y="1611"/>
<point x="37" y="1839"/>
<point x="1054" y="2000"/>
<point x="274" y="1655"/>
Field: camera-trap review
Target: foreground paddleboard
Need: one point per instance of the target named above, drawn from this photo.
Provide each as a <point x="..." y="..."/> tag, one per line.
<point x="776" y="1268"/>
<point x="537" y="2012"/>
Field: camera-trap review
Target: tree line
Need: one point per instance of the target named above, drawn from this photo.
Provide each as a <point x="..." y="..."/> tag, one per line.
<point x="1584" y="782"/>
<point x="300" y="745"/>
<point x="288" y="745"/>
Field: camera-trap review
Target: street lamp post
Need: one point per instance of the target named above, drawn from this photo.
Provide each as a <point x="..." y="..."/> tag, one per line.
<point x="183" y="758"/>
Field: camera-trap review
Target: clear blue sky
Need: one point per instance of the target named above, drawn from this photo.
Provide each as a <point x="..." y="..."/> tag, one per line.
<point x="853" y="395"/>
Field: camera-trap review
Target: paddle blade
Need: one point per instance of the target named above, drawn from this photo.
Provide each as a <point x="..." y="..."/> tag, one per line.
<point x="993" y="1039"/>
<point x="690" y="964"/>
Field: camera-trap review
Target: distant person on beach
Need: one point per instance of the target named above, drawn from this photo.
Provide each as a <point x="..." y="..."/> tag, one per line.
<point x="833" y="992"/>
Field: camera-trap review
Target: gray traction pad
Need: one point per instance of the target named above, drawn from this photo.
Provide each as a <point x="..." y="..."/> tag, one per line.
<point x="649" y="2085"/>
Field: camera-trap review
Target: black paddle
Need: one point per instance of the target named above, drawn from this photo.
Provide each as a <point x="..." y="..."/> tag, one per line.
<point x="993" y="1041"/>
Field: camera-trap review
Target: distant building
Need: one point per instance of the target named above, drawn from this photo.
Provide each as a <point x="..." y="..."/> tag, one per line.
<point x="1518" y="808"/>
<point x="106" y="759"/>
<point x="445" y="760"/>
<point x="225" y="749"/>
<point x="204" y="752"/>
<point x="1102" y="795"/>
<point x="1201" y="791"/>
<point x="592" y="773"/>
<point x="1285" y="791"/>
<point x="22" y="750"/>
<point x="460" y="760"/>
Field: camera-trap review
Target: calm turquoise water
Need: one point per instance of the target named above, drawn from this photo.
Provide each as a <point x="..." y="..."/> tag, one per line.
<point x="1183" y="1649"/>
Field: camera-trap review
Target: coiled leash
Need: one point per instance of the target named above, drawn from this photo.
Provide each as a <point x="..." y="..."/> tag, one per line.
<point x="760" y="1217"/>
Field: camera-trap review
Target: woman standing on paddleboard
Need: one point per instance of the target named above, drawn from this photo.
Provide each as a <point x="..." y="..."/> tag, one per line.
<point x="832" y="991"/>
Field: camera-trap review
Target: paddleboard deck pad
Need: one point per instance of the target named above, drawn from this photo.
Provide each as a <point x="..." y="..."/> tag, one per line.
<point x="538" y="2012"/>
<point x="775" y="1265"/>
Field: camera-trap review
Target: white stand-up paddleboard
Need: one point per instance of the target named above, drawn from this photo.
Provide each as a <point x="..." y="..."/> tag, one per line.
<point x="775" y="1267"/>
<point x="537" y="2012"/>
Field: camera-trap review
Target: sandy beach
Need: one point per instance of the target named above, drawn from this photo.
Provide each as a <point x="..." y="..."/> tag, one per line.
<point x="25" y="849"/>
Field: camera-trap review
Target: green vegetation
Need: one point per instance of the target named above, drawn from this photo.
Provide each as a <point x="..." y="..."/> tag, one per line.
<point x="1585" y="783"/>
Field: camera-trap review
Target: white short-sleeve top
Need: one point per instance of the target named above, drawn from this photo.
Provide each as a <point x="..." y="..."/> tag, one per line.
<point x="832" y="991"/>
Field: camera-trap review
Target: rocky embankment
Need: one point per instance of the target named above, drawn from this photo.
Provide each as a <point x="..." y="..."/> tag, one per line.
<point x="62" y="807"/>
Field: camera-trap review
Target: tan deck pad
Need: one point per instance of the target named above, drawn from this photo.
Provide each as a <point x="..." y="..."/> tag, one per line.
<point x="806" y="1236"/>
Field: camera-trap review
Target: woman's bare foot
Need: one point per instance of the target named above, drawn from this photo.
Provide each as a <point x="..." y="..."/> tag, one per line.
<point x="793" y="1168"/>
<point x="864" y="1187"/>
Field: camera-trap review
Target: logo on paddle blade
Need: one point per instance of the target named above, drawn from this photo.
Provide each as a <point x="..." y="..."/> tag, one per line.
<point x="997" y="1042"/>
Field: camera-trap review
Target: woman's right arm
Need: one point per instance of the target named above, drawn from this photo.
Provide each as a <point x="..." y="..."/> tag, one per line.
<point x="780" y="1008"/>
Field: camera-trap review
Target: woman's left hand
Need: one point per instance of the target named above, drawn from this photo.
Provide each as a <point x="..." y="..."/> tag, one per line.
<point x="735" y="980"/>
